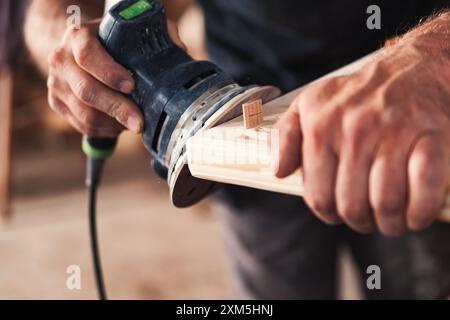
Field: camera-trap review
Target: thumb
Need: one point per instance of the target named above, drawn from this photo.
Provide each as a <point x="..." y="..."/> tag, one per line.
<point x="174" y="34"/>
<point x="290" y="138"/>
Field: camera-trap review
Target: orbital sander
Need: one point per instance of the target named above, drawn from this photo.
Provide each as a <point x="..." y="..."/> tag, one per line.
<point x="178" y="97"/>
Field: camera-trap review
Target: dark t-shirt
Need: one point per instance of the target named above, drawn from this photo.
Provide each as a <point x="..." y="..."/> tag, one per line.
<point x="290" y="42"/>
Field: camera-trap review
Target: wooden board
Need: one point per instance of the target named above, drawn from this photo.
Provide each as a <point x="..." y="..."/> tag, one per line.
<point x="252" y="113"/>
<point x="231" y="154"/>
<point x="186" y="190"/>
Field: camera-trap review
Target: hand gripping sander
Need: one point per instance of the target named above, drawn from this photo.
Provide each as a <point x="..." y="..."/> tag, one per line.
<point x="177" y="95"/>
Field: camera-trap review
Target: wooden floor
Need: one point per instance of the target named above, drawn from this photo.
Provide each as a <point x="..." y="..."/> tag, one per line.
<point x="150" y="250"/>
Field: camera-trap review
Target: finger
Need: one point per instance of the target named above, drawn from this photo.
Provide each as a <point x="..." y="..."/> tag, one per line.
<point x="93" y="58"/>
<point x="57" y="105"/>
<point x="89" y="131"/>
<point x="352" y="182"/>
<point x="428" y="179"/>
<point x="94" y="94"/>
<point x="388" y="186"/>
<point x="61" y="108"/>
<point x="289" y="157"/>
<point x="319" y="173"/>
<point x="53" y="82"/>
<point x="174" y="34"/>
<point x="83" y="113"/>
<point x="92" y="117"/>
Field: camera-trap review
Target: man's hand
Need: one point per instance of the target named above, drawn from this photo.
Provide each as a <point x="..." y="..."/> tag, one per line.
<point x="87" y="87"/>
<point x="375" y="145"/>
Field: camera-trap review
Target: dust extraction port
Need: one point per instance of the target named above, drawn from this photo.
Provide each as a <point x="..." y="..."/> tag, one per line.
<point x="205" y="76"/>
<point x="159" y="128"/>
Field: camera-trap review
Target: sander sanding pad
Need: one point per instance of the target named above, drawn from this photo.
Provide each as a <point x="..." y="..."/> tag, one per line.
<point x="186" y="190"/>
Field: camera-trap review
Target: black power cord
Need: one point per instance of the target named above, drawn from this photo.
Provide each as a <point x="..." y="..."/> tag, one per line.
<point x="94" y="171"/>
<point x="97" y="151"/>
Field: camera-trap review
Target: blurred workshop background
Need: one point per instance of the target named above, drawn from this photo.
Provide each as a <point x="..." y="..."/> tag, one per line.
<point x="150" y="250"/>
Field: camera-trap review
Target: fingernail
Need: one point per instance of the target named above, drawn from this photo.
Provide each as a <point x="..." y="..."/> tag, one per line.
<point x="126" y="86"/>
<point x="134" y="123"/>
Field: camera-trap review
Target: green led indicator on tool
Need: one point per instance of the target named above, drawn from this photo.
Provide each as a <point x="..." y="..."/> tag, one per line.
<point x="136" y="9"/>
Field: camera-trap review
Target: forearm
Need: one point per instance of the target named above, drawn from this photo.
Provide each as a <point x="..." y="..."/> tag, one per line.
<point x="426" y="50"/>
<point x="45" y="25"/>
<point x="433" y="35"/>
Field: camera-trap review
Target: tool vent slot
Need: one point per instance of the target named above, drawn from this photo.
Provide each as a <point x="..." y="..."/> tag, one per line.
<point x="205" y="76"/>
<point x="159" y="129"/>
<point x="141" y="94"/>
<point x="152" y="41"/>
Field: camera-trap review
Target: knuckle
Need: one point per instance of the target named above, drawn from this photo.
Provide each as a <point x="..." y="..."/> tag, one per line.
<point x="54" y="104"/>
<point x="56" y="57"/>
<point x="51" y="82"/>
<point x="329" y="87"/>
<point x="317" y="131"/>
<point x="117" y="109"/>
<point x="428" y="175"/>
<point x="318" y="123"/>
<point x="423" y="174"/>
<point x="308" y="101"/>
<point x="357" y="125"/>
<point x="321" y="205"/>
<point x="88" y="117"/>
<point x="319" y="95"/>
<point x="82" y="53"/>
<point x="85" y="92"/>
<point x="83" y="42"/>
<point x="388" y="206"/>
<point x="420" y="219"/>
<point x="111" y="78"/>
<point x="354" y="136"/>
<point x="354" y="214"/>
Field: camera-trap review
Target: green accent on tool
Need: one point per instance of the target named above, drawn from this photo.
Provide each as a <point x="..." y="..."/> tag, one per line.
<point x="135" y="9"/>
<point x="95" y="153"/>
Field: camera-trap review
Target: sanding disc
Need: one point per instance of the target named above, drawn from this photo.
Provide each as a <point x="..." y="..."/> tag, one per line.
<point x="186" y="190"/>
